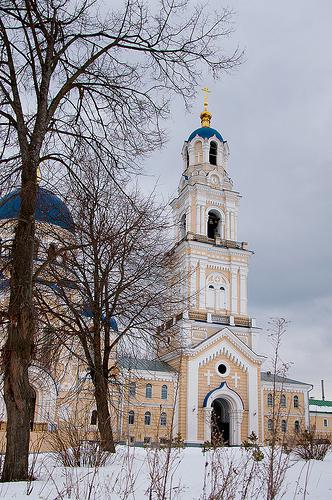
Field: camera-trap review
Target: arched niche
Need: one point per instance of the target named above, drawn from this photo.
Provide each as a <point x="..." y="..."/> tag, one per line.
<point x="216" y="292"/>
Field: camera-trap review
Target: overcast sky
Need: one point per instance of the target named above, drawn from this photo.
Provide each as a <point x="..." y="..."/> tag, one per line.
<point x="275" y="111"/>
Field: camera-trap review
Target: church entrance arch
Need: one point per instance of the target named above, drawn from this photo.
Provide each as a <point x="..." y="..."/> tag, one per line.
<point x="223" y="412"/>
<point x="220" y="420"/>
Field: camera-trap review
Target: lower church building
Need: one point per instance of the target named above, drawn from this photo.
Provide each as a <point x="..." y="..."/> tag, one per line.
<point x="214" y="385"/>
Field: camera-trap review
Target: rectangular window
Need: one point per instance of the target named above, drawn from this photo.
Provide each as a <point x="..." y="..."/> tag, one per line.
<point x="131" y="439"/>
<point x="326" y="422"/>
<point x="147" y="440"/>
<point x="132" y="389"/>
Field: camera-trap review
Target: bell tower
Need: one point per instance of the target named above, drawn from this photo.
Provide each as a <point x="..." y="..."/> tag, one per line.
<point x="213" y="263"/>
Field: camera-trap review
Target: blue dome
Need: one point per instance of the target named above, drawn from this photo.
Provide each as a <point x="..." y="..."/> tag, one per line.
<point x="49" y="208"/>
<point x="205" y="133"/>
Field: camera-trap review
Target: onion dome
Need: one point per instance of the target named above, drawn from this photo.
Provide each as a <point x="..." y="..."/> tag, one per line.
<point x="205" y="131"/>
<point x="88" y="313"/>
<point x="49" y="208"/>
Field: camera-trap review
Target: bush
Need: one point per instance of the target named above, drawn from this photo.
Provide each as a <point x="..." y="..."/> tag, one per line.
<point x="310" y="446"/>
<point x="73" y="445"/>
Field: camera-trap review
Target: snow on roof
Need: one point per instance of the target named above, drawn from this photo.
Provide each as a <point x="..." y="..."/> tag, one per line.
<point x="152" y="365"/>
<point x="320" y="406"/>
<point x="270" y="377"/>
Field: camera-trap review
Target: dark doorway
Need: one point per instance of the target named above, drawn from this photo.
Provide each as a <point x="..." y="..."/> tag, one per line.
<point x="213" y="225"/>
<point x="220" y="422"/>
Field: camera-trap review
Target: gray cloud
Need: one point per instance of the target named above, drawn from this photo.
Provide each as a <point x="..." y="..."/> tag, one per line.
<point x="276" y="113"/>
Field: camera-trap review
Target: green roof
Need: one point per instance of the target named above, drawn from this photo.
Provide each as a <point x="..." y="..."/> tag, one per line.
<point x="319" y="402"/>
<point x="153" y="365"/>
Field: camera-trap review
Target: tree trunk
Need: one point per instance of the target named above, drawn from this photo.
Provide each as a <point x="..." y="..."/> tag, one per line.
<point x="18" y="349"/>
<point x="104" y="417"/>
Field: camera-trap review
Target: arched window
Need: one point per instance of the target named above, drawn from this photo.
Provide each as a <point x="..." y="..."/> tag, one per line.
<point x="147" y="418"/>
<point x="198" y="149"/>
<point x="283" y="425"/>
<point x="296" y="401"/>
<point x="213" y="153"/>
<point x="51" y="251"/>
<point x="213" y="224"/>
<point x="163" y="419"/>
<point x="131" y="417"/>
<point x="132" y="389"/>
<point x="183" y="225"/>
<point x="269" y="400"/>
<point x="283" y="400"/>
<point x="164" y="392"/>
<point x="187" y="157"/>
<point x="297" y="426"/>
<point x="94" y="417"/>
<point x="221" y="298"/>
<point x="270" y="425"/>
<point x="148" y="391"/>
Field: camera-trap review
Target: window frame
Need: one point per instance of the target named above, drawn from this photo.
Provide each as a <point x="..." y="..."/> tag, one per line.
<point x="131" y="417"/>
<point x="164" y="392"/>
<point x="148" y="391"/>
<point x="132" y="389"/>
<point x="163" y="419"/>
<point x="94" y="417"/>
<point x="147" y="418"/>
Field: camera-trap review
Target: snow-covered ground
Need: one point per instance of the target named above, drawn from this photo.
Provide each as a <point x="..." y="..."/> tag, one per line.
<point x="193" y="475"/>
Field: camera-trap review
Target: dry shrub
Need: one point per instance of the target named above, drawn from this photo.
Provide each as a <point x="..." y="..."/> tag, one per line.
<point x="312" y="446"/>
<point x="75" y="445"/>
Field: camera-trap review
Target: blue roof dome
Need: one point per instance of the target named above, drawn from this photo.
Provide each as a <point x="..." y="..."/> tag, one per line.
<point x="49" y="208"/>
<point x="205" y="133"/>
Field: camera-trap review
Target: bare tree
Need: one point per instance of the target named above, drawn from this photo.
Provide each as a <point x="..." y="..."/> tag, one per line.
<point x="117" y="266"/>
<point x="69" y="76"/>
<point x="276" y="462"/>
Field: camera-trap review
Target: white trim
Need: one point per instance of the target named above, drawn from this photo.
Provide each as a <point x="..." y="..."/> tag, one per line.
<point x="236" y="413"/>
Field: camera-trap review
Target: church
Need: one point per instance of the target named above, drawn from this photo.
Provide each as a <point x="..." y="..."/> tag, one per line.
<point x="214" y="384"/>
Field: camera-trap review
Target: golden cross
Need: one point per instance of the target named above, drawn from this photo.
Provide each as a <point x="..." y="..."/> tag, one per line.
<point x="206" y="96"/>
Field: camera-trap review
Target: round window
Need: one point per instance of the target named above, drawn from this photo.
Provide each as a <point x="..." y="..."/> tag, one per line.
<point x="222" y="369"/>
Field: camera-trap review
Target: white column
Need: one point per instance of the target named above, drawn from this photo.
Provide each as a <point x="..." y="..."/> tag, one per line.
<point x="198" y="219"/>
<point x="243" y="291"/>
<point x="193" y="291"/>
<point x="228" y="226"/>
<point x="235" y="417"/>
<point x="253" y="400"/>
<point x="203" y="221"/>
<point x="232" y="226"/>
<point x="202" y="291"/>
<point x="207" y="424"/>
<point x="234" y="290"/>
<point x="235" y="227"/>
<point x="192" y="401"/>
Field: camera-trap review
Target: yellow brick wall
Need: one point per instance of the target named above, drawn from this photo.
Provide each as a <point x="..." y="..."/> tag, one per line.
<point x="288" y="413"/>
<point x="216" y="380"/>
<point x="140" y="404"/>
<point x="317" y="421"/>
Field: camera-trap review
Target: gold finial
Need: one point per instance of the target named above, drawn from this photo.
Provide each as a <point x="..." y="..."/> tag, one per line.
<point x="206" y="115"/>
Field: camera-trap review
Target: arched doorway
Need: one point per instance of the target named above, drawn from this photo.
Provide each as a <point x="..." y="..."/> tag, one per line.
<point x="223" y="411"/>
<point x="220" y="422"/>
